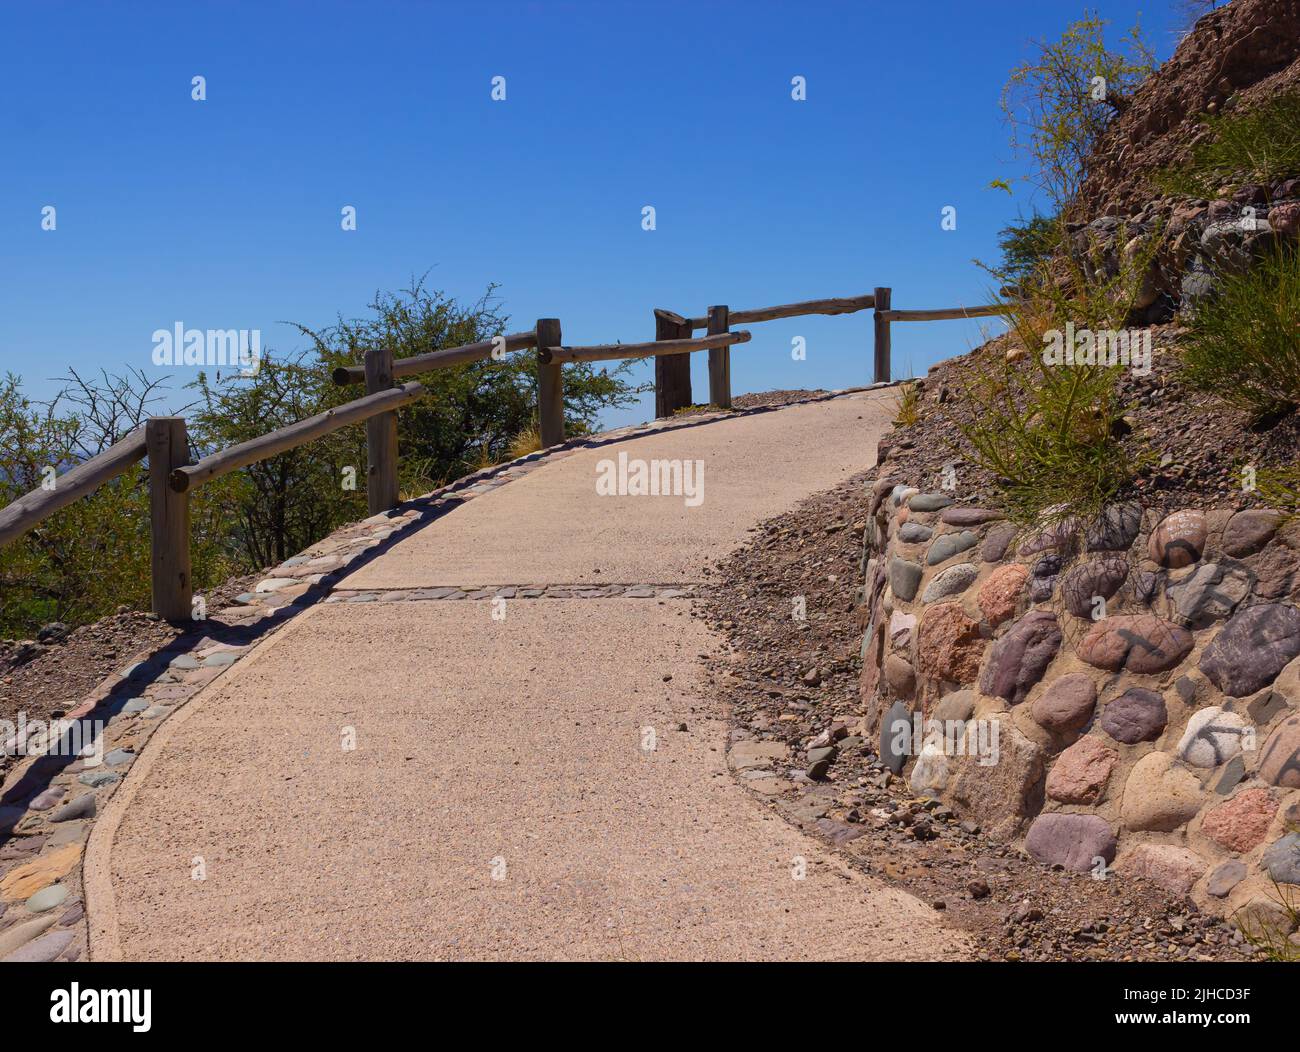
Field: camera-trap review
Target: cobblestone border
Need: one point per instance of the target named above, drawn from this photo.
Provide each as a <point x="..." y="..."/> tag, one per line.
<point x="49" y="803"/>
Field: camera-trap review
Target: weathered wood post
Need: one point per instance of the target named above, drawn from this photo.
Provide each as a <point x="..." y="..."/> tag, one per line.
<point x="381" y="436"/>
<point x="167" y="444"/>
<point x="672" y="371"/>
<point x="550" y="384"/>
<point x="882" y="337"/>
<point x="719" y="360"/>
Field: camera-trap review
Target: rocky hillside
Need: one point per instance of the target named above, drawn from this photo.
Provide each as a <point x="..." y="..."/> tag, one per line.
<point x="1236" y="57"/>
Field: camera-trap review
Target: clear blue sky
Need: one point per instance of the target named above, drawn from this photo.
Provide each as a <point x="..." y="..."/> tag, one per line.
<point x="226" y="213"/>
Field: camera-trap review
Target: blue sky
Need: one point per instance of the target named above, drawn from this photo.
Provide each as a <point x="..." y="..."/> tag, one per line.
<point x="226" y="213"/>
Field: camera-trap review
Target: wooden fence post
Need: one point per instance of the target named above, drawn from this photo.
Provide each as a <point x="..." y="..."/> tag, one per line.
<point x="169" y="519"/>
<point x="883" y="367"/>
<point x="719" y="360"/>
<point x="672" y="371"/>
<point x="381" y="436"/>
<point x="550" y="385"/>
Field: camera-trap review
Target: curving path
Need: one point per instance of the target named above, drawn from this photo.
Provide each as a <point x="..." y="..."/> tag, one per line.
<point x="499" y="802"/>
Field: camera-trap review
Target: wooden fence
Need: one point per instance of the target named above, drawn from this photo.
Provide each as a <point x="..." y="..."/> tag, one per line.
<point x="172" y="475"/>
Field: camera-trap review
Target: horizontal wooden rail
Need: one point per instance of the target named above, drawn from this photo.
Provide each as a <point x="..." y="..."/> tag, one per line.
<point x="945" y="314"/>
<point x="30" y="509"/>
<point x="268" y="445"/>
<point x="615" y="351"/>
<point x="792" y="310"/>
<point x="444" y="359"/>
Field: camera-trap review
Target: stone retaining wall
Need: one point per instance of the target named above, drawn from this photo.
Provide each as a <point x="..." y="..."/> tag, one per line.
<point x="1143" y="675"/>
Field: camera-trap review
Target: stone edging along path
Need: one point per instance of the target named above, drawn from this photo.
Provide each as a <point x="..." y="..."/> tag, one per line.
<point x="49" y="804"/>
<point x="1157" y="729"/>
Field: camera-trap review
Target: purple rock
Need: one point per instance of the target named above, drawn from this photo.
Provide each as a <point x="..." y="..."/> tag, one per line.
<point x="1116" y="529"/>
<point x="1070" y="840"/>
<point x="1042" y="577"/>
<point x="1252" y="648"/>
<point x="1095" y="578"/>
<point x="1018" y="660"/>
<point x="966" y="516"/>
<point x="45" y="800"/>
<point x="1137" y="715"/>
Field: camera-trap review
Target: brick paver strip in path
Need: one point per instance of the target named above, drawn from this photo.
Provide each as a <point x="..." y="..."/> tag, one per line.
<point x="500" y="802"/>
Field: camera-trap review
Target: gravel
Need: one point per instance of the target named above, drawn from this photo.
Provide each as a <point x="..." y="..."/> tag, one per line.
<point x="796" y="682"/>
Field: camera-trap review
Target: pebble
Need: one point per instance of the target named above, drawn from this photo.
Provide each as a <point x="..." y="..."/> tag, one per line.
<point x="47" y="898"/>
<point x="48" y="798"/>
<point x="40" y="951"/>
<point x="82" y="807"/>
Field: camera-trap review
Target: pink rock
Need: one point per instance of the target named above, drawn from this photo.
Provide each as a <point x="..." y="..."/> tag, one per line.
<point x="949" y="646"/>
<point x="1139" y="643"/>
<point x="1067" y="704"/>
<point x="1179" y="540"/>
<point x="46" y="799"/>
<point x="1243" y="821"/>
<point x="900" y="675"/>
<point x="1279" y="763"/>
<point x="901" y="627"/>
<point x="1285" y="219"/>
<point x="999" y="596"/>
<point x="1175" y="869"/>
<point x="1080" y="773"/>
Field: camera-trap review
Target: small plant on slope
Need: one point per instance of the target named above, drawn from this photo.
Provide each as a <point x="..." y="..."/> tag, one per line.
<point x="1244" y="343"/>
<point x="1260" y="145"/>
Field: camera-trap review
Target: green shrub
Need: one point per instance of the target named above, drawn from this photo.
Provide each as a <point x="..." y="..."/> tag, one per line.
<point x="907" y="405"/>
<point x="1058" y="104"/>
<point x="1260" y="145"/>
<point x="1243" y="344"/>
<point x="1026" y="248"/>
<point x="1051" y="433"/>
<point x="1048" y="435"/>
<point x="93" y="556"/>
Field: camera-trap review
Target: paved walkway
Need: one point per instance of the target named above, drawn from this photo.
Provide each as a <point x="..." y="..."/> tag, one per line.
<point x="499" y="801"/>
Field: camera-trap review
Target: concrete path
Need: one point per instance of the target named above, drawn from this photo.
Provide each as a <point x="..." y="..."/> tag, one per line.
<point x="501" y="801"/>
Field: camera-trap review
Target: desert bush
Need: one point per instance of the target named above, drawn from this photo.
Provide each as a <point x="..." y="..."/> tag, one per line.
<point x="1051" y="432"/>
<point x="529" y="440"/>
<point x="92" y="556"/>
<point x="1272" y="939"/>
<point x="280" y="505"/>
<point x="1027" y="248"/>
<point x="1279" y="487"/>
<point x="907" y="405"/>
<point x="1047" y="433"/>
<point x="1059" y="102"/>
<point x="1242" y="344"/>
<point x="1259" y="145"/>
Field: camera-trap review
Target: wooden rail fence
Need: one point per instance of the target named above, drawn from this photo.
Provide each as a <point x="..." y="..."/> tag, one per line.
<point x="172" y="476"/>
